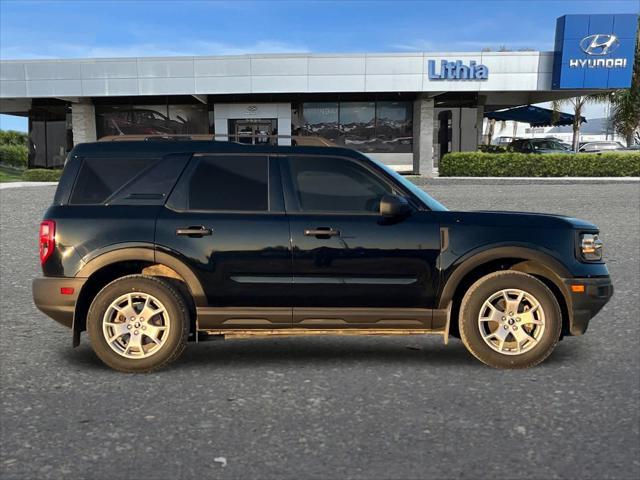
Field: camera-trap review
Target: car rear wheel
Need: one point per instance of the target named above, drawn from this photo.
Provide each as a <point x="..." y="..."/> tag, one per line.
<point x="510" y="319"/>
<point x="138" y="324"/>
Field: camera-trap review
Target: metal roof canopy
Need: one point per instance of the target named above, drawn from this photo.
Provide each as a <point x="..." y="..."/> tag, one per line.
<point x="534" y="116"/>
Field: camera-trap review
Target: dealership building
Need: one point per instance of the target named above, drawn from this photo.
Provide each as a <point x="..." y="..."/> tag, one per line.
<point x="406" y="109"/>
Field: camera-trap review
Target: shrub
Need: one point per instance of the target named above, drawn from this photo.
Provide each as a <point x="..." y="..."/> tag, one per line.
<point x="11" y="137"/>
<point x="492" y="148"/>
<point x="14" y="155"/>
<point x="513" y="164"/>
<point x="41" y="175"/>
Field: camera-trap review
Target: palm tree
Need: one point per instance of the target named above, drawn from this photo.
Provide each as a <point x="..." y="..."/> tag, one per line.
<point x="491" y="125"/>
<point x="625" y="113"/>
<point x="577" y="104"/>
<point x="625" y="104"/>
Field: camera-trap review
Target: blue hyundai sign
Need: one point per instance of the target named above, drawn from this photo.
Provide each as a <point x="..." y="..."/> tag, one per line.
<point x="594" y="51"/>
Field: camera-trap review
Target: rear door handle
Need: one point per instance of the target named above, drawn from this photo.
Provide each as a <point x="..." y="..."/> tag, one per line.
<point x="194" y="232"/>
<point x="321" y="232"/>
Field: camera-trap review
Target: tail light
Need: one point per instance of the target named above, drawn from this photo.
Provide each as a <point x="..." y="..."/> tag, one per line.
<point x="47" y="239"/>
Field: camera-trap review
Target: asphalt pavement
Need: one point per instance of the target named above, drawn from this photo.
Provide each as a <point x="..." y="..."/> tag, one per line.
<point x="353" y="407"/>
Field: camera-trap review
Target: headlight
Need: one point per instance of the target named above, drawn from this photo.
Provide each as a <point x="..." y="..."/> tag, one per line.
<point x="590" y="247"/>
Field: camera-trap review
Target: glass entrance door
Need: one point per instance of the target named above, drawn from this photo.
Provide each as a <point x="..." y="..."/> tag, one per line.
<point x="244" y="133"/>
<point x="253" y="131"/>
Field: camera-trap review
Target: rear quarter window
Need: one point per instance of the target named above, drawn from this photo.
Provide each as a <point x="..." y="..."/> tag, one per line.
<point x="99" y="178"/>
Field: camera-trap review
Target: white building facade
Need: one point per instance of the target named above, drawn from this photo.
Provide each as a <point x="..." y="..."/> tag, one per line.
<point x="406" y="109"/>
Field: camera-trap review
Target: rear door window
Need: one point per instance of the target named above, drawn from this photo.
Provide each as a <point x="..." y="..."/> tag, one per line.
<point x="224" y="183"/>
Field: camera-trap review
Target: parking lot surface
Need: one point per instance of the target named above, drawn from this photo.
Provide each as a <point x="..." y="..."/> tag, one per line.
<point x="369" y="407"/>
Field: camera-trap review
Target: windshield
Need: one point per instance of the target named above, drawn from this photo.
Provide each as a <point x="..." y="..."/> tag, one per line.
<point x="423" y="196"/>
<point x="547" y="145"/>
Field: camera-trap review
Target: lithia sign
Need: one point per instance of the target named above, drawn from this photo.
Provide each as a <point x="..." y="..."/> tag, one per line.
<point x="456" y="70"/>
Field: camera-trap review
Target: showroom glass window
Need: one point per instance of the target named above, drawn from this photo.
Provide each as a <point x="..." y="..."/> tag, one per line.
<point x="394" y="127"/>
<point x="152" y="119"/>
<point x="50" y="137"/>
<point x="320" y="119"/>
<point x="374" y="127"/>
<point x="330" y="185"/>
<point x="358" y="124"/>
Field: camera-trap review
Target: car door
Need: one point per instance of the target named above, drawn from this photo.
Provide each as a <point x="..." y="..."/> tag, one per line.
<point x="226" y="220"/>
<point x="345" y="253"/>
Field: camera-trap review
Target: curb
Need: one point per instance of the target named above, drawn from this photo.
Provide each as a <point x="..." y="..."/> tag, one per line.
<point x="7" y="185"/>
<point x="526" y="180"/>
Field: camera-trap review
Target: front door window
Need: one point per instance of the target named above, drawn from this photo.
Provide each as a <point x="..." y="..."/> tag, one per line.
<point x="330" y="185"/>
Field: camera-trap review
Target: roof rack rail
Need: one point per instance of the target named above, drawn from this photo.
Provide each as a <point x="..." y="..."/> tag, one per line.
<point x="255" y="139"/>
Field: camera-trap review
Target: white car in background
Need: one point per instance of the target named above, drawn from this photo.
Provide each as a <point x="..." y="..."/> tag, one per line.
<point x="601" y="146"/>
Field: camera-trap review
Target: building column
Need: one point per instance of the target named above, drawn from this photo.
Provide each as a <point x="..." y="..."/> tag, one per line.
<point x="284" y="123"/>
<point x="83" y="122"/>
<point x="423" y="137"/>
<point x="480" y="124"/>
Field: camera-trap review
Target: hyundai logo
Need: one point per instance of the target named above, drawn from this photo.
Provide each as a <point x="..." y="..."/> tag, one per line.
<point x="599" y="44"/>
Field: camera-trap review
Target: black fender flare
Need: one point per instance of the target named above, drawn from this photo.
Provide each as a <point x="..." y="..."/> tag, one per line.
<point x="147" y="254"/>
<point x="477" y="258"/>
<point x="143" y="253"/>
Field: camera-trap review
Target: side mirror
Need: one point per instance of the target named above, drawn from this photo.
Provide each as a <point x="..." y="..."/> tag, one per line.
<point x="394" y="206"/>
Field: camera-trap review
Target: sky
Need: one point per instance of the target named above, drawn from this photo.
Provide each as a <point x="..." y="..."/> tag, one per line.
<point x="81" y="28"/>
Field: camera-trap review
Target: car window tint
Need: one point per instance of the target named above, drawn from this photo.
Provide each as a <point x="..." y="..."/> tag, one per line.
<point x="326" y="184"/>
<point x="236" y="183"/>
<point x="100" y="177"/>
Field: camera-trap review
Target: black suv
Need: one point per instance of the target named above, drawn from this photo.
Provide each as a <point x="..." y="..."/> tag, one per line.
<point x="150" y="244"/>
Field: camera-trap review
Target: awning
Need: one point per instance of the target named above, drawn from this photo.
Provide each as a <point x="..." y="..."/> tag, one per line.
<point x="534" y="116"/>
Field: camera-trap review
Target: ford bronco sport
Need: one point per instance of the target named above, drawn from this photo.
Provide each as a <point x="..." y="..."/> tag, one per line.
<point x="150" y="244"/>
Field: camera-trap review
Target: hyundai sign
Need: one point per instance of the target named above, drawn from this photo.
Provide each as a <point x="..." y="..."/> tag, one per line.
<point x="594" y="51"/>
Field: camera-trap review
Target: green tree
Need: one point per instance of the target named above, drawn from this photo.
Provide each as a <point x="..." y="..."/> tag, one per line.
<point x="11" y="137"/>
<point x="578" y="104"/>
<point x="625" y="104"/>
<point x="13" y="148"/>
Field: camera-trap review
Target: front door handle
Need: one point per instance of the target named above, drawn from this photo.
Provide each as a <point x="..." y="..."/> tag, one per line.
<point x="194" y="232"/>
<point x="321" y="232"/>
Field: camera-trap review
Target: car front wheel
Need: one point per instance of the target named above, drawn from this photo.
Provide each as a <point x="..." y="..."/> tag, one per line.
<point x="138" y="323"/>
<point x="510" y="319"/>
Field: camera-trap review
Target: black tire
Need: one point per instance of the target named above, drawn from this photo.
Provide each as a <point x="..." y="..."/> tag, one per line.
<point x="482" y="290"/>
<point x="174" y="304"/>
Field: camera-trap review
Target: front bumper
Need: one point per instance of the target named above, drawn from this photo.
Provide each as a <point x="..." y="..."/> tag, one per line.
<point x="48" y="298"/>
<point x="584" y="306"/>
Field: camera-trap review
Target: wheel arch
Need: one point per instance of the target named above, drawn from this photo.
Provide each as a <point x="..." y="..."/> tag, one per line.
<point x="108" y="266"/>
<point x="527" y="260"/>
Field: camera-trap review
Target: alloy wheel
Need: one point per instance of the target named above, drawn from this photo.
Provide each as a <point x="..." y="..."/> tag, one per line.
<point x="511" y="321"/>
<point x="136" y="325"/>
